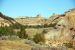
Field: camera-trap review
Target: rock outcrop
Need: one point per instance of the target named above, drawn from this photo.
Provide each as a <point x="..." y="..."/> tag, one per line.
<point x="65" y="29"/>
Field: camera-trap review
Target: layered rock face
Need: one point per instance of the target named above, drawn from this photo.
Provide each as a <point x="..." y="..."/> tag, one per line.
<point x="70" y="17"/>
<point x="65" y="29"/>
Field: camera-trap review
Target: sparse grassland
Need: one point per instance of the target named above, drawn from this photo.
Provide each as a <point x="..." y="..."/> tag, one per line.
<point x="14" y="45"/>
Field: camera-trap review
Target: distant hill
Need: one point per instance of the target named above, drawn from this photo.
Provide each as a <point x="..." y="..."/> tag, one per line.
<point x="38" y="20"/>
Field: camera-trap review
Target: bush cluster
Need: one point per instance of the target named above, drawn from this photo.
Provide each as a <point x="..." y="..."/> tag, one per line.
<point x="22" y="33"/>
<point x="39" y="38"/>
<point x="69" y="45"/>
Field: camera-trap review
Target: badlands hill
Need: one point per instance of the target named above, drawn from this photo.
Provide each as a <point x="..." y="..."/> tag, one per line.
<point x="6" y="21"/>
<point x="65" y="29"/>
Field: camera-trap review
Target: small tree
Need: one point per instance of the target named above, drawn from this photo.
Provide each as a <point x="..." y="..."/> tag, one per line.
<point x="22" y="33"/>
<point x="44" y="31"/>
<point x="39" y="38"/>
<point x="45" y="25"/>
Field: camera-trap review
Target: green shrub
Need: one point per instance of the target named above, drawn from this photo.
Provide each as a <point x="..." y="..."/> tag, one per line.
<point x="69" y="45"/>
<point x="44" y="31"/>
<point x="6" y="31"/>
<point x="22" y="33"/>
<point x="52" y="25"/>
<point x="39" y="38"/>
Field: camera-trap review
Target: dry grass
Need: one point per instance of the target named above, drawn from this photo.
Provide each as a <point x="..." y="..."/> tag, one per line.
<point x="13" y="45"/>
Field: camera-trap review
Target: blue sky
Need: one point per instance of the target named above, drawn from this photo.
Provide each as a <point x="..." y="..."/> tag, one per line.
<point x="45" y="8"/>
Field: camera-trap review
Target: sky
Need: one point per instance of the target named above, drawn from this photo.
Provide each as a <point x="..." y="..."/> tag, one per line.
<point x="15" y="8"/>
